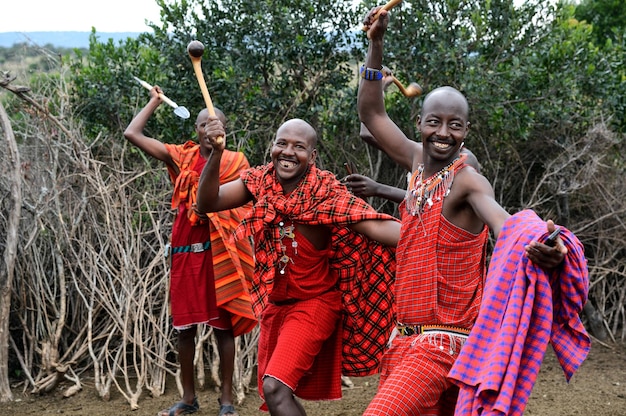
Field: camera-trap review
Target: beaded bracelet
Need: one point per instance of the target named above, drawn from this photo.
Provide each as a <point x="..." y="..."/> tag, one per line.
<point x="371" y="74"/>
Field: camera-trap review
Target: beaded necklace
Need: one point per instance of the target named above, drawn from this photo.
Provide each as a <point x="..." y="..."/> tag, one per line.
<point x="420" y="192"/>
<point x="286" y="231"/>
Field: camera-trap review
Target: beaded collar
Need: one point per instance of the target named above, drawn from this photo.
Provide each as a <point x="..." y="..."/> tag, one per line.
<point x="420" y="192"/>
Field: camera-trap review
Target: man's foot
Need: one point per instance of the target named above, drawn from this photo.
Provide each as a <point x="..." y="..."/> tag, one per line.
<point x="227" y="409"/>
<point x="181" y="408"/>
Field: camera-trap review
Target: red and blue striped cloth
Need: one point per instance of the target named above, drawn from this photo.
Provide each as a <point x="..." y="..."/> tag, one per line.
<point x="523" y="309"/>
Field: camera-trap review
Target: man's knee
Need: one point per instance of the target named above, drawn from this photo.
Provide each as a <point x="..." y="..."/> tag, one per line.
<point x="187" y="335"/>
<point x="224" y="335"/>
<point x="274" y="390"/>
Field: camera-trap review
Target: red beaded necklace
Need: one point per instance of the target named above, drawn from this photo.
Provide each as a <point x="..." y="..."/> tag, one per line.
<point x="420" y="192"/>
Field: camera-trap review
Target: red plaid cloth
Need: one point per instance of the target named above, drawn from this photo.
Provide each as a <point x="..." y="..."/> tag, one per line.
<point x="523" y="308"/>
<point x="300" y="345"/>
<point x="439" y="281"/>
<point x="441" y="268"/>
<point x="413" y="377"/>
<point x="364" y="268"/>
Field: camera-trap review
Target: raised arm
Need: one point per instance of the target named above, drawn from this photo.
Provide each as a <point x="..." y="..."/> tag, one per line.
<point x="134" y="131"/>
<point x="212" y="197"/>
<point x="370" y="102"/>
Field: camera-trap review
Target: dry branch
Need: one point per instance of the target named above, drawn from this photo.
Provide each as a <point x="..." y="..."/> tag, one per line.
<point x="91" y="298"/>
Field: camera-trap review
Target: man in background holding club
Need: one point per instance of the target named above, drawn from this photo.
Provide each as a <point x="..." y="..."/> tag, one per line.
<point x="207" y="268"/>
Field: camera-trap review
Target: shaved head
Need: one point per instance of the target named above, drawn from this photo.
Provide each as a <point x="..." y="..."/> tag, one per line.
<point x="300" y="128"/>
<point x="204" y="114"/>
<point x="449" y="95"/>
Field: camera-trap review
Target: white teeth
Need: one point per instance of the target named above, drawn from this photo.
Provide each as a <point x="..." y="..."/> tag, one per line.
<point x="441" y="145"/>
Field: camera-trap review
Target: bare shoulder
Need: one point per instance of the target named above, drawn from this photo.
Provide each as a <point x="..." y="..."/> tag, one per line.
<point x="469" y="189"/>
<point x="471" y="159"/>
<point x="470" y="180"/>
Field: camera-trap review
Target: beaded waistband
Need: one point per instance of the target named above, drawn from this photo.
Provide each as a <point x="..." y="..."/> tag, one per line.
<point x="192" y="248"/>
<point x="408" y="330"/>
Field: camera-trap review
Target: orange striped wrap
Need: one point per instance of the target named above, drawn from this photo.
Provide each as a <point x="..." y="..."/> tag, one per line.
<point x="233" y="261"/>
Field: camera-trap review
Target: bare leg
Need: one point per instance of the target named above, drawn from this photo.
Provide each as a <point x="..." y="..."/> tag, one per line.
<point x="280" y="399"/>
<point x="226" y="350"/>
<point x="186" y="351"/>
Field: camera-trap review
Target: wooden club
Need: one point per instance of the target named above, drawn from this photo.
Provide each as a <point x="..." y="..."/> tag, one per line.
<point x="413" y="90"/>
<point x="195" y="49"/>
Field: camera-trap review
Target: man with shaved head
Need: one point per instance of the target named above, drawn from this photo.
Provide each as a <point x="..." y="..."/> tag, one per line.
<point x="447" y="212"/>
<point x="207" y="271"/>
<point x="324" y="265"/>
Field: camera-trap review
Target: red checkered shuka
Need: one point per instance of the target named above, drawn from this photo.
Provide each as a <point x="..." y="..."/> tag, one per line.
<point x="440" y="269"/>
<point x="364" y="268"/>
<point x="439" y="281"/>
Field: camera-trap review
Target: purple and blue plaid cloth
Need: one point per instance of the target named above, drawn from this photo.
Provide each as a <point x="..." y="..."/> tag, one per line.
<point x="523" y="309"/>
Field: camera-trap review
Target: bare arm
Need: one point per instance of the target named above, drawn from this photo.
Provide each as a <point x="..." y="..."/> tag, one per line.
<point x="481" y="198"/>
<point x="478" y="196"/>
<point x="368" y="137"/>
<point x="363" y="187"/>
<point x="371" y="104"/>
<point x="384" y="231"/>
<point x="212" y="197"/>
<point x="134" y="131"/>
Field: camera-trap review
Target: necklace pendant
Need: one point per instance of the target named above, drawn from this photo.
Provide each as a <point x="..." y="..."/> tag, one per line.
<point x="289" y="232"/>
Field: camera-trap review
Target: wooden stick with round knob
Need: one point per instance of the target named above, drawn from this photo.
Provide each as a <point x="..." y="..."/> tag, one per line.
<point x="195" y="49"/>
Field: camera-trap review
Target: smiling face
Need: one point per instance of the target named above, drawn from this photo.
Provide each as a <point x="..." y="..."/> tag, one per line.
<point x="443" y="124"/>
<point x="293" y="151"/>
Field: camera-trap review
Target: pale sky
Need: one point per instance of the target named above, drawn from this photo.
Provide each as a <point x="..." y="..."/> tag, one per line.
<point x="78" y="15"/>
<point x="81" y="15"/>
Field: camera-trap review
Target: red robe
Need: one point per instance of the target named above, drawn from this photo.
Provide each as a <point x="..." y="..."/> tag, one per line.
<point x="364" y="268"/>
<point x="232" y="261"/>
<point x="439" y="281"/>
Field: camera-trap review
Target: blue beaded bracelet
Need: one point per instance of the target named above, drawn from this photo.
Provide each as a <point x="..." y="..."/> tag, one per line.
<point x="371" y="74"/>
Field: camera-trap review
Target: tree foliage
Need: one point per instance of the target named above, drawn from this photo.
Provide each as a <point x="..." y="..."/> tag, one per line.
<point x="264" y="62"/>
<point x="537" y="80"/>
<point x="607" y="17"/>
